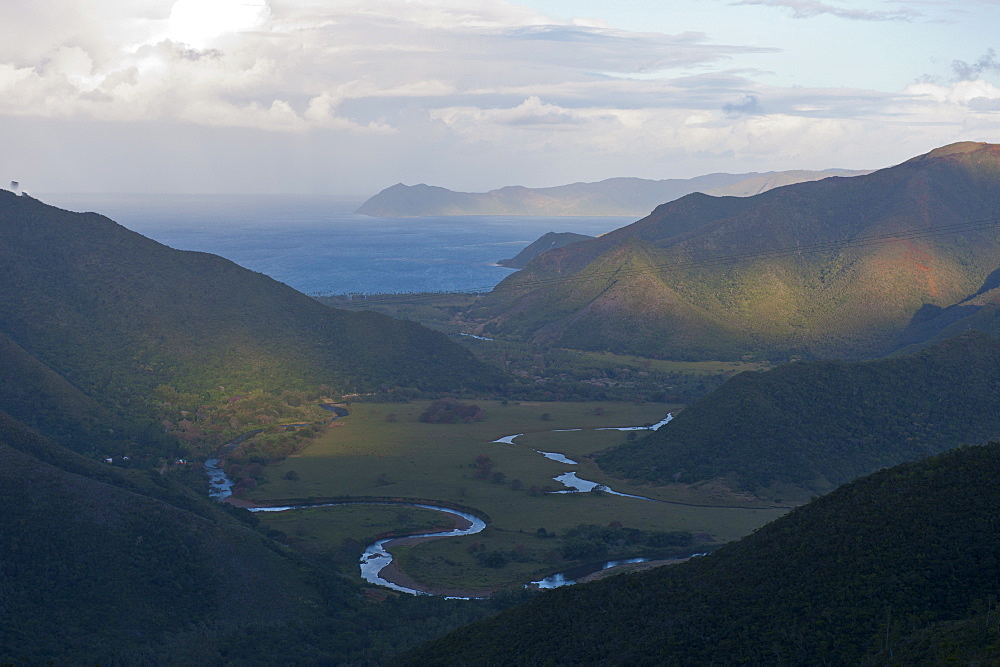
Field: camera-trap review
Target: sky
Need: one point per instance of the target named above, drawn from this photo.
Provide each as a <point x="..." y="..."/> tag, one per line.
<point x="347" y="97"/>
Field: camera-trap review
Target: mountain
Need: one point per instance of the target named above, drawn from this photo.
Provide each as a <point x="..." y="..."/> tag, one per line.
<point x="545" y="242"/>
<point x="614" y="196"/>
<point x="94" y="317"/>
<point x="835" y="267"/>
<point x="895" y="568"/>
<point x="819" y="424"/>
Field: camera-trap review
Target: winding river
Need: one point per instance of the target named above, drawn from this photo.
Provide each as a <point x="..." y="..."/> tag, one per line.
<point x="569" y="479"/>
<point x="376" y="556"/>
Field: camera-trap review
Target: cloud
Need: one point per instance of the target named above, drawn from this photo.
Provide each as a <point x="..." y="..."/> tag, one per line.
<point x="970" y="71"/>
<point x="531" y="113"/>
<point x="296" y="65"/>
<point x="465" y="93"/>
<point x="805" y="9"/>
<point x="748" y="106"/>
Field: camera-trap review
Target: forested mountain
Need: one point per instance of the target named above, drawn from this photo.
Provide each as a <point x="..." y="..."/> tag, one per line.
<point x="614" y="196"/>
<point x="899" y="567"/>
<point x="93" y="317"/>
<point x="819" y="424"/>
<point x="836" y="267"/>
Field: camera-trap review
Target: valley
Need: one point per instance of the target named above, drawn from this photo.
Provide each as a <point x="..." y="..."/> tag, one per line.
<point x="382" y="451"/>
<point x="800" y="385"/>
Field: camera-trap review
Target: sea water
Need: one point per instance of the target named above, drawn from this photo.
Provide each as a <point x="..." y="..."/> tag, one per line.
<point x="317" y="245"/>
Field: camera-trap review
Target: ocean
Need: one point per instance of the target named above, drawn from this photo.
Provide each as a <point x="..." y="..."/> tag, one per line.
<point x="317" y="245"/>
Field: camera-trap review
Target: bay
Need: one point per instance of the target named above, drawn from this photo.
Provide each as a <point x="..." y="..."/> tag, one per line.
<point x="317" y="245"/>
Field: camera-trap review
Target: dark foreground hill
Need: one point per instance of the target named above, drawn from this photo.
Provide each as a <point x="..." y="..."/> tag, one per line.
<point x="899" y="567"/>
<point x="100" y="565"/>
<point x="94" y="317"/>
<point x="819" y="424"/>
<point x="836" y="267"/>
<point x="614" y="196"/>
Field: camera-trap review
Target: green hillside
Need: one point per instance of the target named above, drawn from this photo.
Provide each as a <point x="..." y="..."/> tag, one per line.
<point x="835" y="267"/>
<point x="899" y="567"/>
<point x="91" y="310"/>
<point x="819" y="424"/>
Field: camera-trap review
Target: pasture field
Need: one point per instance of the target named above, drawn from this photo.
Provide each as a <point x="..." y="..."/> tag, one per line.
<point x="668" y="366"/>
<point x="341" y="529"/>
<point x="382" y="450"/>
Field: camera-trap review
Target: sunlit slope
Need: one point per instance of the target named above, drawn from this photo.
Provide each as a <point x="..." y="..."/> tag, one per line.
<point x="879" y="568"/>
<point x="114" y="314"/>
<point x="818" y="424"/>
<point x="833" y="267"/>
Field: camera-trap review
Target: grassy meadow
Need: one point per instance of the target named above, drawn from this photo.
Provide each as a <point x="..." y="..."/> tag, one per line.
<point x="383" y="450"/>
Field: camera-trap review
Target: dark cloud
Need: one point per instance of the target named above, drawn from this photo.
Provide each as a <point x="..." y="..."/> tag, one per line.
<point x="971" y="71"/>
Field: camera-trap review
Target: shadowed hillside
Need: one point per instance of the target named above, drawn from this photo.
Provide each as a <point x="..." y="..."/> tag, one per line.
<point x="819" y="424"/>
<point x="890" y="569"/>
<point x="834" y="267"/>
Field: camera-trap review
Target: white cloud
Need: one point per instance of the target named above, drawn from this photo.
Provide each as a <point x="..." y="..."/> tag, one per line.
<point x="465" y="89"/>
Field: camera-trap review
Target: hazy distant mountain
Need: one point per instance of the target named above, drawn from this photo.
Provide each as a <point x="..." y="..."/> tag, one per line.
<point x="832" y="267"/>
<point x="545" y="242"/>
<point x="894" y="568"/>
<point x="93" y="317"/>
<point x="614" y="196"/>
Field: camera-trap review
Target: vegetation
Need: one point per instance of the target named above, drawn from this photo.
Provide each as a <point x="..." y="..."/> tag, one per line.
<point x="450" y="411"/>
<point x="819" y="424"/>
<point x="896" y="568"/>
<point x="111" y="566"/>
<point x="370" y="457"/>
<point x="95" y="318"/>
<point x="790" y="273"/>
<point x="542" y="372"/>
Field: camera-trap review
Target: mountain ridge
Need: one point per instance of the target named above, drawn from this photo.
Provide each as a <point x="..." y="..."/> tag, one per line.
<point x="835" y="267"/>
<point x="623" y="196"/>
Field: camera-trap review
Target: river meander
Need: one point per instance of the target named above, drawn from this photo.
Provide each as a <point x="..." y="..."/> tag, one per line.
<point x="376" y="557"/>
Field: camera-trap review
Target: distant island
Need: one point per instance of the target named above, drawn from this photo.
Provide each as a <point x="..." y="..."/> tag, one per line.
<point x="612" y="197"/>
